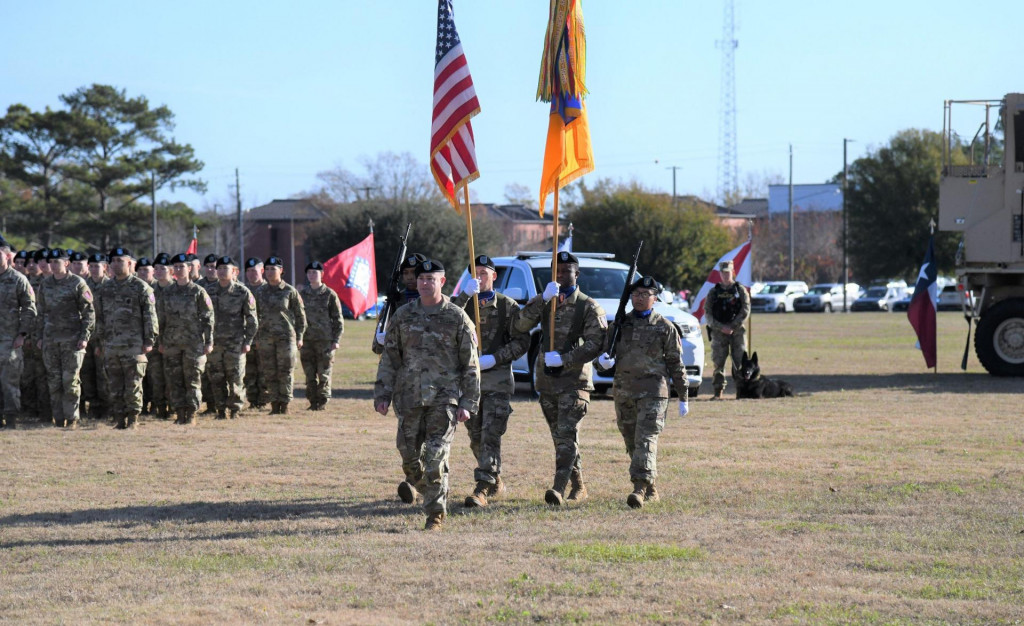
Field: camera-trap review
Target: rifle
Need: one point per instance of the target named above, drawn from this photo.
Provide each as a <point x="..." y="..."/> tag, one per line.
<point x="394" y="294"/>
<point x="620" y="314"/>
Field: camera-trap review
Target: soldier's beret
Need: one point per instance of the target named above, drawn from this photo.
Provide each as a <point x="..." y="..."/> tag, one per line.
<point x="725" y="265"/>
<point x="189" y="257"/>
<point x="413" y="260"/>
<point x="253" y="262"/>
<point x="40" y="254"/>
<point x="77" y="256"/>
<point x="483" y="261"/>
<point x="315" y="265"/>
<point x="57" y="253"/>
<point x="144" y="262"/>
<point x="429" y="266"/>
<point x="69" y="251"/>
<point x="210" y="258"/>
<point x="647" y="283"/>
<point x="180" y="258"/>
<point x="225" y="260"/>
<point x="98" y="257"/>
<point x="120" y="252"/>
<point x="22" y="254"/>
<point x="162" y="259"/>
<point x="568" y="257"/>
<point x="274" y="261"/>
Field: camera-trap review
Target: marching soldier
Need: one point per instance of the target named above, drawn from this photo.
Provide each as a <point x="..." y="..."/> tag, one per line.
<point x="94" y="377"/>
<point x="186" y="321"/>
<point x="324" y="326"/>
<point x="254" y="387"/>
<point x="66" y="321"/>
<point x="564" y="375"/>
<point x="648" y="355"/>
<point x="409" y="293"/>
<point x="727" y="307"/>
<point x="500" y="345"/>
<point x="126" y="323"/>
<point x="19" y="316"/>
<point x="429" y="370"/>
<point x="281" y="327"/>
<point x="35" y="387"/>
<point x="234" y="310"/>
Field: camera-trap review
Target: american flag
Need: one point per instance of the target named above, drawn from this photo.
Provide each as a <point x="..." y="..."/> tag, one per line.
<point x="452" y="151"/>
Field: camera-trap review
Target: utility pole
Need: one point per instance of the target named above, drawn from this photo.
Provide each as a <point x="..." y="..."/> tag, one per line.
<point x="674" y="168"/>
<point x="367" y="190"/>
<point x="846" y="261"/>
<point x="792" y="239"/>
<point x="238" y="211"/>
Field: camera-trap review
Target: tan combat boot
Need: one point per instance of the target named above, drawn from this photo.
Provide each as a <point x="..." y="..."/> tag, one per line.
<point x="496" y="490"/>
<point x="578" y="493"/>
<point x="479" y="497"/>
<point x="554" y="495"/>
<point x="190" y="417"/>
<point x="132" y="421"/>
<point x="651" y="495"/>
<point x="636" y="499"/>
<point x="407" y="493"/>
<point x="435" y="521"/>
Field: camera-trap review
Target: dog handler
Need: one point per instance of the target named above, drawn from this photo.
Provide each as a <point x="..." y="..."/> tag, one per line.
<point x="728" y="306"/>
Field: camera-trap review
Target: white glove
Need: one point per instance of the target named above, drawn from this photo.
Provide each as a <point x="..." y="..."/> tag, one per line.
<point x="471" y="288"/>
<point x="552" y="359"/>
<point x="487" y="361"/>
<point x="605" y="361"/>
<point x="380" y="337"/>
<point x="684" y="407"/>
<point x="550" y="291"/>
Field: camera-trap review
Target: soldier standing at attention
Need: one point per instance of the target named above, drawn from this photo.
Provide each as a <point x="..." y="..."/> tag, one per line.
<point x="209" y="277"/>
<point x="324" y="326"/>
<point x="648" y="355"/>
<point x="234" y="310"/>
<point x="195" y="273"/>
<point x="254" y="387"/>
<point x="185" y="314"/>
<point x="728" y="306"/>
<point x="94" y="377"/>
<point x="500" y="345"/>
<point x="155" y="371"/>
<point x="144" y="270"/>
<point x="282" y="324"/>
<point x="20" y="259"/>
<point x="42" y="257"/>
<point x="66" y="321"/>
<point x="408" y="294"/>
<point x="429" y="370"/>
<point x="565" y="385"/>
<point x="208" y="281"/>
<point x="35" y="388"/>
<point x="126" y="323"/>
<point x="19" y="316"/>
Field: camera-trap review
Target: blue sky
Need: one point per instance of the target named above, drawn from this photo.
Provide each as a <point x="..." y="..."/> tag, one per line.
<point x="285" y="90"/>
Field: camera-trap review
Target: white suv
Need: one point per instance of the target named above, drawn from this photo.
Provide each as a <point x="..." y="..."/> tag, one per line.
<point x="523" y="276"/>
<point x="777" y="296"/>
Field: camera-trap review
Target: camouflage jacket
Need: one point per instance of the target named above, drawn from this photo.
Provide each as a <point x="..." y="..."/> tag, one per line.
<point x="185" y="314"/>
<point x="429" y="359"/>
<point x="648" y="354"/>
<point x="18" y="299"/>
<point x="499" y="338"/>
<point x="281" y="312"/>
<point x="323" y="314"/>
<point x="735" y="300"/>
<point x="234" y="309"/>
<point x="407" y="297"/>
<point x="66" y="310"/>
<point x="35" y="282"/>
<point x="578" y="346"/>
<point x="126" y="315"/>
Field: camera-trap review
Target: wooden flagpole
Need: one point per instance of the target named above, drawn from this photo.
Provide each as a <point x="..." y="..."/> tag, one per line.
<point x="472" y="265"/>
<point x="554" y="273"/>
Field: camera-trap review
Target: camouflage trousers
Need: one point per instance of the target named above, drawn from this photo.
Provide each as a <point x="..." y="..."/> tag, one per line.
<point x="35" y="388"/>
<point x="641" y="420"/>
<point x="425" y="435"/>
<point x="63" y="362"/>
<point x="317" y="362"/>
<point x="253" y="379"/>
<point x="183" y="367"/>
<point x="564" y="412"/>
<point x="722" y="346"/>
<point x="95" y="386"/>
<point x="225" y="367"/>
<point x="11" y="364"/>
<point x="125" y="371"/>
<point x="277" y="359"/>
<point x="486" y="428"/>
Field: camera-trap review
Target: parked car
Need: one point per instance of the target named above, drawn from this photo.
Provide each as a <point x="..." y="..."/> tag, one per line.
<point x="881" y="297"/>
<point x="903" y="303"/>
<point x="951" y="298"/>
<point x="827" y="297"/>
<point x="777" y="296"/>
<point x="523" y="276"/>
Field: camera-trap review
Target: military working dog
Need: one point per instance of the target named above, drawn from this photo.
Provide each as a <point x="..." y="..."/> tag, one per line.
<point x="750" y="384"/>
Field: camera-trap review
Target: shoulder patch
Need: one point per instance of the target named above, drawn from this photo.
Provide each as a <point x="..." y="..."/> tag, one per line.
<point x="152" y="298"/>
<point x="252" y="300"/>
<point x="87" y="294"/>
<point x="209" y="303"/>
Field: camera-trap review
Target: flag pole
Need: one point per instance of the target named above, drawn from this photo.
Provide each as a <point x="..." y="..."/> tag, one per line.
<point x="472" y="263"/>
<point x="554" y="272"/>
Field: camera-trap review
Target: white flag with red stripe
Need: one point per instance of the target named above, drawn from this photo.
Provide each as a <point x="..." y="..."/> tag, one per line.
<point x="741" y="263"/>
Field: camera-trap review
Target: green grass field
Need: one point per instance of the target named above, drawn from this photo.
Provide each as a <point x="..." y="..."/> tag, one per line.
<point x="882" y="494"/>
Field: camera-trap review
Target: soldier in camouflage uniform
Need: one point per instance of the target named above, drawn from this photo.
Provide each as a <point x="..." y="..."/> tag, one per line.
<point x="209" y="272"/>
<point x="647" y="356"/>
<point x="21" y="257"/>
<point x="579" y="332"/>
<point x="79" y="265"/>
<point x="126" y="324"/>
<point x="186" y="321"/>
<point x="282" y="324"/>
<point x="144" y="270"/>
<point x="500" y="345"/>
<point x="35" y="388"/>
<point x="208" y="281"/>
<point x="19" y="315"/>
<point x="324" y="326"/>
<point x="727" y="308"/>
<point x="234" y="309"/>
<point x="407" y="295"/>
<point x="254" y="387"/>
<point x="195" y="268"/>
<point x="95" y="386"/>
<point x="65" y="322"/>
<point x="429" y="370"/>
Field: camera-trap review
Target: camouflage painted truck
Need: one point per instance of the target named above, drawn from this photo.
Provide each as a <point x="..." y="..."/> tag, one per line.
<point x="983" y="200"/>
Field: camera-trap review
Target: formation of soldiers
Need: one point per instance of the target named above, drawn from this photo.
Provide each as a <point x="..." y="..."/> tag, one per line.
<point x="112" y="336"/>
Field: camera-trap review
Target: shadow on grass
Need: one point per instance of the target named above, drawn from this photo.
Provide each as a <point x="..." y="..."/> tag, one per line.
<point x="926" y="382"/>
<point x="352" y="394"/>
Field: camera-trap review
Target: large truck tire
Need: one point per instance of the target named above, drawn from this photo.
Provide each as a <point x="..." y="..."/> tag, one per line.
<point x="999" y="339"/>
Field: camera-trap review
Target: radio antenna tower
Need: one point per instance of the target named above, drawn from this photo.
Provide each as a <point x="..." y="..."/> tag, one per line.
<point x="727" y="168"/>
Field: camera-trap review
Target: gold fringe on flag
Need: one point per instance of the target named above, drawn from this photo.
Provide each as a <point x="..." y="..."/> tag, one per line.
<point x="563" y="65"/>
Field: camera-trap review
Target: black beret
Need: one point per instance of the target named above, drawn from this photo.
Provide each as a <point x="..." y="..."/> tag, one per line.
<point x="144" y="262"/>
<point x="253" y="262"/>
<point x="57" y="253"/>
<point x="274" y="261"/>
<point x="40" y="254"/>
<point x="429" y="267"/>
<point x="180" y="258"/>
<point x="119" y="251"/>
<point x="98" y="257"/>
<point x="647" y="283"/>
<point x="413" y="260"/>
<point x="315" y="265"/>
<point x="77" y="256"/>
<point x="162" y="259"/>
<point x="211" y="258"/>
<point x="225" y="260"/>
<point x="567" y="257"/>
<point x="22" y="254"/>
<point x="189" y="257"/>
<point x="483" y="261"/>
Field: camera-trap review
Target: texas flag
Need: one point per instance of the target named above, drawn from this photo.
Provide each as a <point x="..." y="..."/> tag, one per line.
<point x="924" y="304"/>
<point x="353" y="274"/>
<point x="740" y="257"/>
